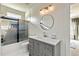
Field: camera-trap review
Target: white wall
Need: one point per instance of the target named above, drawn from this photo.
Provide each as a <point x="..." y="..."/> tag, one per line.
<point x="61" y="26"/>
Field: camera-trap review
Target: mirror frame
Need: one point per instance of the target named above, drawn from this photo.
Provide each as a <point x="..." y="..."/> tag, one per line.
<point x="42" y="25"/>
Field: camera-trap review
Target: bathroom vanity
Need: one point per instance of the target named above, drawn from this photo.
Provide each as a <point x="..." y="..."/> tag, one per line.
<point x="43" y="46"/>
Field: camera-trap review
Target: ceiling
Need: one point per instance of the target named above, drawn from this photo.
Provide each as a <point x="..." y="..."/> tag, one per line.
<point x="18" y="6"/>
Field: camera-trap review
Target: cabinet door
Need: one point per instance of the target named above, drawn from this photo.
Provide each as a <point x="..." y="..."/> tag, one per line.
<point x="31" y="48"/>
<point x="41" y="49"/>
<point x="36" y="48"/>
<point x="49" y="51"/>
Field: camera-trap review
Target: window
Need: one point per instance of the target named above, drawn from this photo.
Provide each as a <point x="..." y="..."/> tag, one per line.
<point x="12" y="15"/>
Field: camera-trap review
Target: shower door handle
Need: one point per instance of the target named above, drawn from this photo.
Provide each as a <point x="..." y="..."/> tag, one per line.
<point x="2" y="39"/>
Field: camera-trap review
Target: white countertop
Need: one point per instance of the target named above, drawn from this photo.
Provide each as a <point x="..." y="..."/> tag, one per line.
<point x="45" y="40"/>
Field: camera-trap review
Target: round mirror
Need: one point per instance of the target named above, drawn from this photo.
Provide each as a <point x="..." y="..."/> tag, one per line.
<point x="47" y="22"/>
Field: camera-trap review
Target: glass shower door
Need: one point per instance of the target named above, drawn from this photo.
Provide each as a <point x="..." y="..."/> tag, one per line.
<point x="8" y="31"/>
<point x="23" y="30"/>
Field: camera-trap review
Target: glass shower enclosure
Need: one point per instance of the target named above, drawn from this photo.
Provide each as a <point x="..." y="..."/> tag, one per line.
<point x="12" y="30"/>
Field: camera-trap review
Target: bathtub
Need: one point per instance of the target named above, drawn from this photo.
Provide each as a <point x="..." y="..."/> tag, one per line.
<point x="74" y="44"/>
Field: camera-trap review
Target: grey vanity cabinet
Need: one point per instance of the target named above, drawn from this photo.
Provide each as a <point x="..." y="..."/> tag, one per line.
<point x="38" y="48"/>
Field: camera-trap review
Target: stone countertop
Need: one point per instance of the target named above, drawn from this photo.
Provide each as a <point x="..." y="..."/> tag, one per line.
<point x="45" y="40"/>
